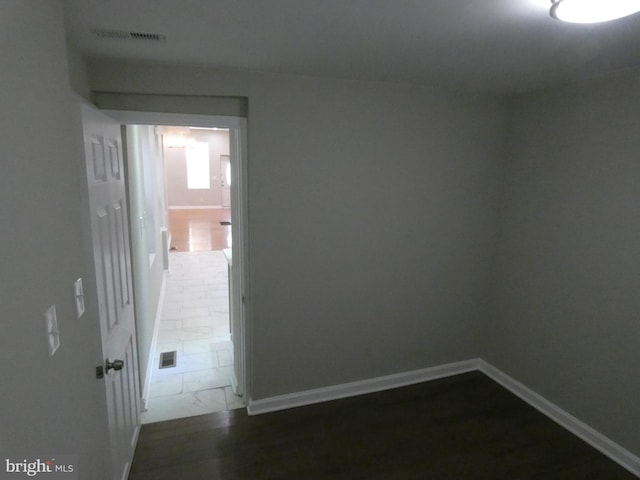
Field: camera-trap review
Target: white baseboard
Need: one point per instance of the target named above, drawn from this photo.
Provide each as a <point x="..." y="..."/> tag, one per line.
<point x="583" y="431"/>
<point x="165" y="236"/>
<point x="334" y="392"/>
<point x="234" y="383"/>
<point x="194" y="207"/>
<point x="580" y="429"/>
<point x="154" y="344"/>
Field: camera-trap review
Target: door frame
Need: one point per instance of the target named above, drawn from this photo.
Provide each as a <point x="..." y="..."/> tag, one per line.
<point x="239" y="221"/>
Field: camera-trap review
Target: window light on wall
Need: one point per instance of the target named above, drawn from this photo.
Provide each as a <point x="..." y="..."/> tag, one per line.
<point x="198" y="176"/>
<point x="593" y="11"/>
<point x="176" y="141"/>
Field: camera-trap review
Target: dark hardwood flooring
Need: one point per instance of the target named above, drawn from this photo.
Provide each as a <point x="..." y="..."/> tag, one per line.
<point x="461" y="427"/>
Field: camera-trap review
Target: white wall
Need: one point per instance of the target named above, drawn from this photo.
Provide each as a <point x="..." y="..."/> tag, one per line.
<point x="372" y="209"/>
<point x="47" y="405"/>
<point x="148" y="215"/>
<point x="566" y="302"/>
<point x="176" y="170"/>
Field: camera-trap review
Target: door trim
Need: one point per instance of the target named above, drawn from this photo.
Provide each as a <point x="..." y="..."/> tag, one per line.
<point x="238" y="142"/>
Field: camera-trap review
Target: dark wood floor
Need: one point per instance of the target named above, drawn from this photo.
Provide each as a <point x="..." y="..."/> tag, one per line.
<point x="462" y="427"/>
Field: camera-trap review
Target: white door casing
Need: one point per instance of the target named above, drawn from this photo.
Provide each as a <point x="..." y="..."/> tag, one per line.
<point x="225" y="180"/>
<point x="112" y="258"/>
<point x="237" y="277"/>
<point x="239" y="223"/>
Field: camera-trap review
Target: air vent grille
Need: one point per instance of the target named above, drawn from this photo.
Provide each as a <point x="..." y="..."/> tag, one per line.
<point x="126" y="35"/>
<point x="168" y="359"/>
<point x="156" y="37"/>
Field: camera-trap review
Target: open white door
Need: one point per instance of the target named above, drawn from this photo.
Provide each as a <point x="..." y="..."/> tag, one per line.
<point x="112" y="257"/>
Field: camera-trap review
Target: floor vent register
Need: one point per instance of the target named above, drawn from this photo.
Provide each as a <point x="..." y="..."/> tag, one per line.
<point x="168" y="359"/>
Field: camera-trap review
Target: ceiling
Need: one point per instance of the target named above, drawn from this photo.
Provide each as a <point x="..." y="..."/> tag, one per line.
<point x="498" y="46"/>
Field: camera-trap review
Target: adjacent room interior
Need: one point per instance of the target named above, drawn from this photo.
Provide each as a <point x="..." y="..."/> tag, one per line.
<point x="192" y="355"/>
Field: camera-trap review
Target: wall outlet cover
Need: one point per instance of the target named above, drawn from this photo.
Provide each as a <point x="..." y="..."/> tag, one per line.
<point x="79" y="296"/>
<point x="53" y="335"/>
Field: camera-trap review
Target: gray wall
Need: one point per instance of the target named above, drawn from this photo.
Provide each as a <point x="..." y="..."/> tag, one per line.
<point x="372" y="209"/>
<point x="372" y="215"/>
<point x="48" y="405"/>
<point x="388" y="273"/>
<point x="567" y="290"/>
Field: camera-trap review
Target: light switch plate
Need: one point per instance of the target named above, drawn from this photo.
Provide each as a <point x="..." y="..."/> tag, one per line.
<point x="53" y="336"/>
<point x="79" y="295"/>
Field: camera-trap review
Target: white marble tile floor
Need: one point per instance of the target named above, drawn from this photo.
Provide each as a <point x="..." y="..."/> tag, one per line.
<point x="194" y="322"/>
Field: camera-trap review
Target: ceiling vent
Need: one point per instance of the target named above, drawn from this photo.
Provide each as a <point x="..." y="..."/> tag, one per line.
<point x="126" y="35"/>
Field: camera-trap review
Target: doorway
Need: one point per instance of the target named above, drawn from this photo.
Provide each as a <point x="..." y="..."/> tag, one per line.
<point x="194" y="322"/>
<point x="201" y="232"/>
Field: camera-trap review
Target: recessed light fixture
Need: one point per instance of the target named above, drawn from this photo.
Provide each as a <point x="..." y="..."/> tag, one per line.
<point x="593" y="11"/>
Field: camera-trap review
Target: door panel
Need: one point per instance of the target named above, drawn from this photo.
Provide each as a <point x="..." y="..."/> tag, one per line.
<point x="112" y="258"/>
<point x="97" y="155"/>
<point x="113" y="148"/>
<point x="122" y="255"/>
<point x="104" y="269"/>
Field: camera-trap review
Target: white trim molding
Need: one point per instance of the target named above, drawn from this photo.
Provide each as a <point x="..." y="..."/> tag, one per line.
<point x="583" y="431"/>
<point x="195" y="207"/>
<point x="334" y="392"/>
<point x="154" y="343"/>
<point x="580" y="429"/>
